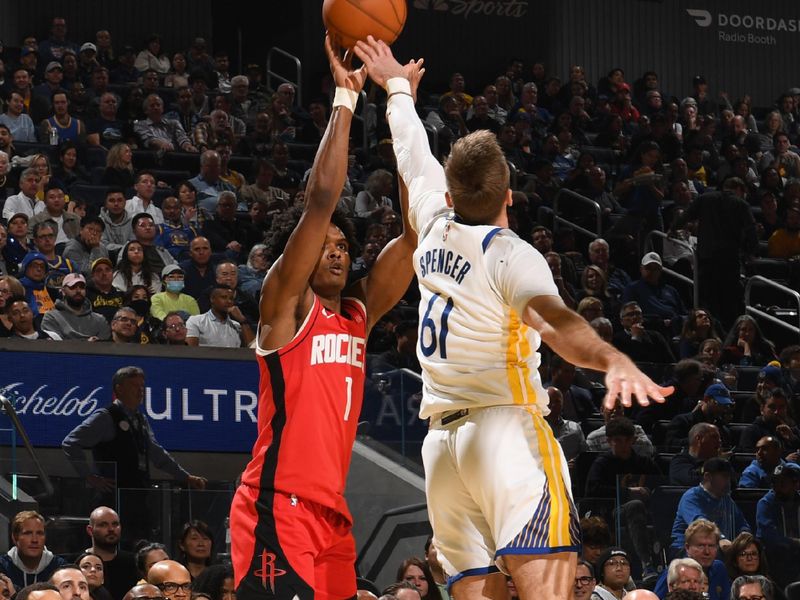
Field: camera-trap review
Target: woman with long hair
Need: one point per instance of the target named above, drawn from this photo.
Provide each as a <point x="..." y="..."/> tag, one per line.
<point x="746" y="345"/>
<point x="69" y="170"/>
<point x="416" y="571"/>
<point x="41" y="164"/>
<point x="194" y="215"/>
<point x="595" y="285"/>
<point x="698" y="327"/>
<point x="119" y="167"/>
<point x="746" y="556"/>
<point x="373" y="199"/>
<point x="92" y="568"/>
<point x="133" y="269"/>
<point x="147" y="554"/>
<point x="196" y="544"/>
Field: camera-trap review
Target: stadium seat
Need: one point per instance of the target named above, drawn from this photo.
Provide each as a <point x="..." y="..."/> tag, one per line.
<point x="94" y="156"/>
<point x="145" y="159"/>
<point x="181" y="161"/>
<point x="664" y="506"/>
<point x="740" y="460"/>
<point x="30" y="148"/>
<point x="95" y="195"/>
<point x="793" y="591"/>
<point x="170" y="177"/>
<point x="736" y="430"/>
<point x="747" y="500"/>
<point x="589" y="424"/>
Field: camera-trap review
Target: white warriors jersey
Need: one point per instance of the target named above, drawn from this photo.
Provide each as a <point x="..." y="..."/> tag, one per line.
<point x="475" y="281"/>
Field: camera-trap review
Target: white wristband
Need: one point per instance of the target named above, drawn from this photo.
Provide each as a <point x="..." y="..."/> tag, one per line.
<point x="345" y="97"/>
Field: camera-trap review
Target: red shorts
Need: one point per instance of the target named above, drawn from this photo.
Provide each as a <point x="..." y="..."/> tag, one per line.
<point x="283" y="546"/>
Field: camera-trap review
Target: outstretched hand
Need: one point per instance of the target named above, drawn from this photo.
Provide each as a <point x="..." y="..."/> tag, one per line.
<point x="414" y="72"/>
<point x="342" y="68"/>
<point x="379" y="60"/>
<point x="625" y="381"/>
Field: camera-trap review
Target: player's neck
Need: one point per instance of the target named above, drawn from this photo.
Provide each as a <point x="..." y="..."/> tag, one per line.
<point x="332" y="303"/>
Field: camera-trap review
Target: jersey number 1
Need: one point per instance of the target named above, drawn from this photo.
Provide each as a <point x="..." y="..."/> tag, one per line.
<point x="429" y="324"/>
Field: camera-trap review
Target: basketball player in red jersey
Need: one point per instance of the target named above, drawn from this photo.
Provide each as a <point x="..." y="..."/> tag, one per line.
<point x="290" y="526"/>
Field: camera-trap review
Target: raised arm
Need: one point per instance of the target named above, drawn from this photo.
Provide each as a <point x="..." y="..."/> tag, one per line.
<point x="572" y="338"/>
<point x="416" y="164"/>
<point x="287" y="283"/>
<point x="391" y="274"/>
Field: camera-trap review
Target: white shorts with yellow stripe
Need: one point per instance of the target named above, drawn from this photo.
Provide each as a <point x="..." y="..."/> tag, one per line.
<point x="497" y="483"/>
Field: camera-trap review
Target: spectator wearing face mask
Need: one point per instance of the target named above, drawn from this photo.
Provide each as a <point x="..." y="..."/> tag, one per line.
<point x="173" y="298"/>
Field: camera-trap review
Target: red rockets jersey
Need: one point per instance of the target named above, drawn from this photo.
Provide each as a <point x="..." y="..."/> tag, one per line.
<point x="310" y="396"/>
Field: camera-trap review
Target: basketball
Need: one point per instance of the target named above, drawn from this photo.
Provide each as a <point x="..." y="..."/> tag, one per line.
<point x="348" y="21"/>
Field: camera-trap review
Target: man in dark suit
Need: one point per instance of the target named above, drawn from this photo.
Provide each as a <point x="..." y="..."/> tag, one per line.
<point x="639" y="343"/>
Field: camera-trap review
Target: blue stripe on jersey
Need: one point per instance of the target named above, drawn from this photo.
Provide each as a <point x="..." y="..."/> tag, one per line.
<point x="470" y="573"/>
<point x="489" y="237"/>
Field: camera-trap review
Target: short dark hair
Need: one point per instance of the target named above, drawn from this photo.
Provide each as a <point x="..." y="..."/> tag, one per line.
<point x="717" y="465"/>
<point x="620" y="427"/>
<point x="114" y="190"/>
<point x="139" y="216"/>
<point x="595" y="531"/>
<point x="145" y="548"/>
<point x="92" y="220"/>
<point x="125" y="373"/>
<point x="400" y="585"/>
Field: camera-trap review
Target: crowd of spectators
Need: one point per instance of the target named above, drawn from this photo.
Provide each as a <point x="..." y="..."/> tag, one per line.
<point x="145" y="195"/>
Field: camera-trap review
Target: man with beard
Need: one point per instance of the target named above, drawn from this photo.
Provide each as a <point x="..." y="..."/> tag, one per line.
<point x="105" y="298"/>
<point x="119" y="567"/>
<point x="72" y="318"/>
<point x="772" y="422"/>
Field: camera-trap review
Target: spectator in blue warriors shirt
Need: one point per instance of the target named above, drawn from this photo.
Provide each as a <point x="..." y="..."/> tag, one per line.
<point x="710" y="500"/>
<point x="758" y="474"/>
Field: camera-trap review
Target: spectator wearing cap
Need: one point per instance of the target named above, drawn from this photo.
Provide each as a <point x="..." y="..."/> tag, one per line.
<point x="774" y="422"/>
<point x="661" y="303"/>
<point x="702" y="544"/>
<point x="57" y="44"/>
<point x="73" y="318"/>
<point x="716" y="408"/>
<point x="613" y="570"/>
<point x="86" y="247"/>
<point x="29" y="59"/>
<point x="87" y="62"/>
<point x="726" y="233"/>
<point x="33" y="273"/>
<point x="152" y="57"/>
<point x="102" y="294"/>
<point x="125" y="71"/>
<point x="53" y="76"/>
<point x="710" y="500"/>
<point x="52" y="209"/>
<point x="759" y="472"/>
<point x="172" y="298"/>
<point x="622" y="104"/>
<point x="777" y="520"/>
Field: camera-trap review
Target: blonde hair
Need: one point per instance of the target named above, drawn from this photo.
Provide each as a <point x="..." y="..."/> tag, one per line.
<point x="21" y="517"/>
<point x="477" y="177"/>
<point x="114" y="158"/>
<point x="13" y="284"/>
<point x="701" y="527"/>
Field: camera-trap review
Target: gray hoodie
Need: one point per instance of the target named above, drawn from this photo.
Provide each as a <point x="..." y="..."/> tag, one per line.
<point x="76" y="326"/>
<point x="115" y="235"/>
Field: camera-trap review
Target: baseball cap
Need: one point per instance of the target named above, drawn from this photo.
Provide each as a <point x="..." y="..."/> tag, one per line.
<point x="787" y="469"/>
<point x="170" y="269"/>
<point x="72" y="279"/>
<point x="771" y="373"/>
<point x="623" y="87"/>
<point x="606" y="556"/>
<point x="88" y="46"/>
<point x="52" y="66"/>
<point x="650" y="258"/>
<point x="719" y="392"/>
<point x="28" y="50"/>
<point x="101" y="261"/>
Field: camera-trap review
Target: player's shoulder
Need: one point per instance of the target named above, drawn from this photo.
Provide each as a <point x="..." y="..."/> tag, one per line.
<point x="497" y="240"/>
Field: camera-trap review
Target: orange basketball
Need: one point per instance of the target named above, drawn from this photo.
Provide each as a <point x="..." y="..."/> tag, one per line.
<point x="348" y="21"/>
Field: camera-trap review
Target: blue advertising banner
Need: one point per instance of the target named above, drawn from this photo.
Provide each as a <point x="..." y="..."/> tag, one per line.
<point x="192" y="404"/>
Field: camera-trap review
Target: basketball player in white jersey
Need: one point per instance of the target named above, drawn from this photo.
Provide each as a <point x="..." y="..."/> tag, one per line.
<point x="497" y="482"/>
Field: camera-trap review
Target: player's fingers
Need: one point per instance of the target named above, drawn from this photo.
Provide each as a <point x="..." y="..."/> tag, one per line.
<point x="640" y="393"/>
<point x="364" y="51"/>
<point x="611" y="395"/>
<point x="625" y="393"/>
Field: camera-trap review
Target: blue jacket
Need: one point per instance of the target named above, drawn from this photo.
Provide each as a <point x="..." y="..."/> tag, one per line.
<point x="697" y="503"/>
<point x="719" y="586"/>
<point x="777" y="520"/>
<point x="662" y="301"/>
<point x="754" y="476"/>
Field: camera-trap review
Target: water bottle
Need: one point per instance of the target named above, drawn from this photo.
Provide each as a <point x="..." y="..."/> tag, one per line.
<point x="53" y="136"/>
